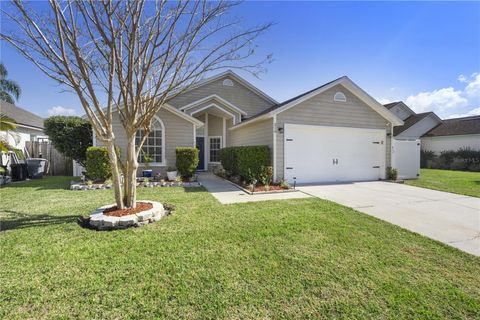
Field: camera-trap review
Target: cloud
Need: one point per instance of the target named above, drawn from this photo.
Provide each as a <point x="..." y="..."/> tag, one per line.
<point x="462" y="78"/>
<point x="437" y="100"/>
<point x="384" y="100"/>
<point x="473" y="112"/>
<point x="61" y="111"/>
<point x="473" y="87"/>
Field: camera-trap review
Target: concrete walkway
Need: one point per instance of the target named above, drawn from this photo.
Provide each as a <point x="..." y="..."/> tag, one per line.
<point x="450" y="218"/>
<point x="227" y="193"/>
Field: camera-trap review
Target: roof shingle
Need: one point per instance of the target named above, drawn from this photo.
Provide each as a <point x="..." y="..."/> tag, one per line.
<point x="21" y="116"/>
<point x="457" y="126"/>
<point x="410" y="121"/>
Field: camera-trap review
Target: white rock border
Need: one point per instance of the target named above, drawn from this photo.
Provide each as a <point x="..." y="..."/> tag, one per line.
<point x="100" y="221"/>
<point x="83" y="187"/>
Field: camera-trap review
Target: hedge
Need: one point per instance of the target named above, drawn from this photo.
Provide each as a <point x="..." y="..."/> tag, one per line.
<point x="187" y="161"/>
<point x="464" y="159"/>
<point x="98" y="163"/>
<point x="247" y="162"/>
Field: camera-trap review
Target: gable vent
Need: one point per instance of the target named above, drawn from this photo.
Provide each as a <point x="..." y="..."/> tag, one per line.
<point x="228" y="83"/>
<point x="339" y="97"/>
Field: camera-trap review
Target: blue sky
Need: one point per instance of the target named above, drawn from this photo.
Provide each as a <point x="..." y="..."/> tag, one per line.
<point x="427" y="54"/>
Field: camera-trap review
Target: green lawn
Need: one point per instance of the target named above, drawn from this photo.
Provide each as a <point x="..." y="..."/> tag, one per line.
<point x="467" y="183"/>
<point x="292" y="259"/>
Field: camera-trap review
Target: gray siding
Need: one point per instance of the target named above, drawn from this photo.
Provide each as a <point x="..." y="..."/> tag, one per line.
<point x="193" y="111"/>
<point x="178" y="133"/>
<point x="323" y="111"/>
<point x="258" y="133"/>
<point x="238" y="95"/>
<point x="215" y="126"/>
<point x="201" y="130"/>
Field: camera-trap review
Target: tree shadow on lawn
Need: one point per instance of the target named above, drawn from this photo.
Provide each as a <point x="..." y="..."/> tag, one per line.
<point x="20" y="220"/>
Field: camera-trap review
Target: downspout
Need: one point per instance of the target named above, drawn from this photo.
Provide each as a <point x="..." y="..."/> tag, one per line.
<point x="274" y="162"/>
<point x="206" y="141"/>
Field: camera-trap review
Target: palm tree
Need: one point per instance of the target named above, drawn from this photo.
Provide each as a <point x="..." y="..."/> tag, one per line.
<point x="7" y="123"/>
<point x="8" y="88"/>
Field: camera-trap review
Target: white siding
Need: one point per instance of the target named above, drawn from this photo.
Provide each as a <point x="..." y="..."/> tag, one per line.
<point x="401" y="112"/>
<point x="19" y="136"/>
<point x="445" y="143"/>
<point x="322" y="110"/>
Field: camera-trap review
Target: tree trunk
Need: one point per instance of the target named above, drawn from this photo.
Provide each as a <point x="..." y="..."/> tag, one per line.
<point x="116" y="179"/>
<point x="131" y="173"/>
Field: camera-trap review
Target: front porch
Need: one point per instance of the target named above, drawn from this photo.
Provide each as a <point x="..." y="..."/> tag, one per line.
<point x="217" y="115"/>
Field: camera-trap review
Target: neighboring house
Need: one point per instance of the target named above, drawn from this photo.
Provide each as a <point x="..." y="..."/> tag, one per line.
<point x="453" y="134"/>
<point x="336" y="132"/>
<point x="415" y="124"/>
<point x="29" y="126"/>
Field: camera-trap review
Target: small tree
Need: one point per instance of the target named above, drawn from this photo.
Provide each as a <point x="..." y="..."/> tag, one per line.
<point x="128" y="58"/>
<point x="70" y="135"/>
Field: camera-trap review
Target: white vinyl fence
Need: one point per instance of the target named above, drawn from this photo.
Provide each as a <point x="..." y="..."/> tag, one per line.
<point x="406" y="158"/>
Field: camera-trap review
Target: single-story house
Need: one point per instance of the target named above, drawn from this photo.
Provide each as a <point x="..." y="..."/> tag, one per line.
<point x="335" y="132"/>
<point x="415" y="124"/>
<point x="453" y="134"/>
<point x="29" y="126"/>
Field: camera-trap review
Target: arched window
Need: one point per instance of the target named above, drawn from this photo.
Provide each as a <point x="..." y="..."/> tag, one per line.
<point x="154" y="145"/>
<point x="228" y="83"/>
<point x="339" y="97"/>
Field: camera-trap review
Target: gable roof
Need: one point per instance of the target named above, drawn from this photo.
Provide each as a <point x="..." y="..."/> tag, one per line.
<point x="457" y="126"/>
<point x="391" y="104"/>
<point x="21" y="116"/>
<point x="412" y="120"/>
<point x="213" y="97"/>
<point x="346" y="82"/>
<point x="230" y="73"/>
<point x="171" y="109"/>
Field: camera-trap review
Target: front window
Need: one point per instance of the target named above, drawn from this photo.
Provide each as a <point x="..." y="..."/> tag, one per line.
<point x="215" y="146"/>
<point x="153" y="146"/>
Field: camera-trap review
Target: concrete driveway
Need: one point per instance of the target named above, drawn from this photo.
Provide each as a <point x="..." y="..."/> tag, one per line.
<point x="450" y="218"/>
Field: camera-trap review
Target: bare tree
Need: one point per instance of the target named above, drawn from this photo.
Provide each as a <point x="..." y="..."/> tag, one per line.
<point x="129" y="57"/>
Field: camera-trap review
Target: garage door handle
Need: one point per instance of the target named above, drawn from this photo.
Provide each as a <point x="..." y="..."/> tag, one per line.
<point x="289" y="168"/>
<point x="376" y="167"/>
<point x="289" y="139"/>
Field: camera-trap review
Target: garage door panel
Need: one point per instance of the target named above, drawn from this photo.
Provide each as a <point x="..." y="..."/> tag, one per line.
<point x="330" y="154"/>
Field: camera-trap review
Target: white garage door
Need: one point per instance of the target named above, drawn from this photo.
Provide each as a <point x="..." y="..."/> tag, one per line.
<point x="333" y="154"/>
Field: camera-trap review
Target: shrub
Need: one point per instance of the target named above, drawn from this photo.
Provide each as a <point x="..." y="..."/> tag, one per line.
<point x="266" y="174"/>
<point x="187" y="161"/>
<point x="98" y="163"/>
<point x="70" y="135"/>
<point x="462" y="159"/>
<point x="392" y="173"/>
<point x="425" y="157"/>
<point x="246" y="162"/>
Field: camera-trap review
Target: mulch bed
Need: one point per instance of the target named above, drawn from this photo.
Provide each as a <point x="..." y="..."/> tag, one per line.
<point x="114" y="212"/>
<point x="263" y="188"/>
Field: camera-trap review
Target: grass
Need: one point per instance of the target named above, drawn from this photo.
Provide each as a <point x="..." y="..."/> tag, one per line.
<point x="466" y="183"/>
<point x="291" y="259"/>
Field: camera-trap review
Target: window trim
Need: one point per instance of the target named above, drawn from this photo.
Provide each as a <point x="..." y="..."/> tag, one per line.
<point x="339" y="96"/>
<point x="164" y="160"/>
<point x="209" y="143"/>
